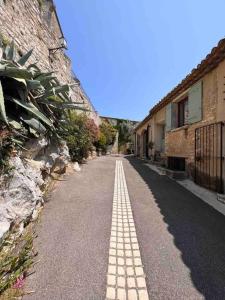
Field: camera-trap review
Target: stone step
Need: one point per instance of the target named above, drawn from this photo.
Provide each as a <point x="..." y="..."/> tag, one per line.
<point x="177" y="175"/>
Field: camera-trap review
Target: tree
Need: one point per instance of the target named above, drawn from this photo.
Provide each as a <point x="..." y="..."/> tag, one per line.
<point x="125" y="129"/>
<point x="109" y="132"/>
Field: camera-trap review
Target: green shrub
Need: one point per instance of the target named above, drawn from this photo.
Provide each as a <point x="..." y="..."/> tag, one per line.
<point x="4" y="40"/>
<point x="80" y="134"/>
<point x="109" y="132"/>
<point x="125" y="129"/>
<point x="101" y="143"/>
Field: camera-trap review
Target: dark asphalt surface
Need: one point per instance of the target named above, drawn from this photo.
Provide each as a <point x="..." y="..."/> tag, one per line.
<point x="73" y="236"/>
<point x="182" y="239"/>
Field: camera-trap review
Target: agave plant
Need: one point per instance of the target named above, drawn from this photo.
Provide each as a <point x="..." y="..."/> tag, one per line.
<point x="31" y="101"/>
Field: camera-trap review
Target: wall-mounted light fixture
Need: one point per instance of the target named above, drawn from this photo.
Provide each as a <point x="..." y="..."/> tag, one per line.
<point x="63" y="45"/>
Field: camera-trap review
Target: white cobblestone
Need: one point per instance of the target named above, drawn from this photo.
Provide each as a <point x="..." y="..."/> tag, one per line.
<point x="131" y="282"/>
<point x="111" y="293"/>
<point x="111" y="280"/>
<point x="143" y="295"/>
<point x="130" y="271"/>
<point x="121" y="294"/>
<point x="132" y="295"/>
<point x="121" y="281"/>
<point x="125" y="279"/>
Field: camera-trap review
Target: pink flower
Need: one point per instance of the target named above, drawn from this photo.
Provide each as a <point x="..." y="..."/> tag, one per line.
<point x="19" y="282"/>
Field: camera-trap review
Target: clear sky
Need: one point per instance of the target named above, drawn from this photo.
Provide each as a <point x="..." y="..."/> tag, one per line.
<point x="128" y="54"/>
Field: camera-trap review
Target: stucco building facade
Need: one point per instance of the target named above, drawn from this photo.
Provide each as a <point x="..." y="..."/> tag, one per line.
<point x="186" y="127"/>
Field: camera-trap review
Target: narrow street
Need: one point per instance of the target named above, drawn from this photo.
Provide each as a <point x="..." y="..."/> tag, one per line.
<point x="180" y="238"/>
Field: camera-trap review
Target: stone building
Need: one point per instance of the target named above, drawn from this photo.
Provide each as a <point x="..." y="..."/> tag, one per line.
<point x="34" y="24"/>
<point x="185" y="130"/>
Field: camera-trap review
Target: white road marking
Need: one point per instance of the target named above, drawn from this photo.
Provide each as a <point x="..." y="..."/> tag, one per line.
<point x="125" y="278"/>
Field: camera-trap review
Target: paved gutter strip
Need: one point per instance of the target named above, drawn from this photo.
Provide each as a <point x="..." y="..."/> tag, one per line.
<point x="208" y="196"/>
<point x="125" y="278"/>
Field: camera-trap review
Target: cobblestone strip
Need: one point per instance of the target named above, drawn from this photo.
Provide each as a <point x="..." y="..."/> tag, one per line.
<point x="125" y="278"/>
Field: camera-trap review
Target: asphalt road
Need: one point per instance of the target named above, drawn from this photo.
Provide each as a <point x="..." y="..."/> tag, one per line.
<point x="181" y="239"/>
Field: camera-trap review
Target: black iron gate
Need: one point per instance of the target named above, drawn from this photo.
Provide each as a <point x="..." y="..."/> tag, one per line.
<point x="209" y="160"/>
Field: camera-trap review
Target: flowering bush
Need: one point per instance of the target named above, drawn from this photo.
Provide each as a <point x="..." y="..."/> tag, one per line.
<point x="80" y="134"/>
<point x="107" y="135"/>
<point x="93" y="130"/>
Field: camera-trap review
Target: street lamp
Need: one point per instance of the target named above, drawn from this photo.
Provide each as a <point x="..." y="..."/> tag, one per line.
<point x="63" y="45"/>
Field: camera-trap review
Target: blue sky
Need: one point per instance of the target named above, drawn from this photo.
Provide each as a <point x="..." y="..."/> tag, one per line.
<point x="128" y="54"/>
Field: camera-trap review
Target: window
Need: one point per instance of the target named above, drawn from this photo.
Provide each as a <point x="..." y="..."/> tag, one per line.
<point x="176" y="163"/>
<point x="182" y="112"/>
<point x="186" y="111"/>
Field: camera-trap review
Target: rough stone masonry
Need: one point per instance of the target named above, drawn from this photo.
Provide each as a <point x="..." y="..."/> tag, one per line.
<point x="34" y="24"/>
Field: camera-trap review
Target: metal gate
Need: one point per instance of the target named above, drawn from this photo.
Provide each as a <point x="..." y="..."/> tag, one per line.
<point x="209" y="160"/>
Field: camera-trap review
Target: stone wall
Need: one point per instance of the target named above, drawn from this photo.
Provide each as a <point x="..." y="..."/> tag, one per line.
<point x="32" y="25"/>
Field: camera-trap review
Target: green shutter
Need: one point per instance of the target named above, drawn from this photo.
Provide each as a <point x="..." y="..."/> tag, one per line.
<point x="168" y="117"/>
<point x="171" y="116"/>
<point x="195" y="103"/>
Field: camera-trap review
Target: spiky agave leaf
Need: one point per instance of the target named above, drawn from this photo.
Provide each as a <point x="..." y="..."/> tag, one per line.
<point x="34" y="123"/>
<point x="20" y="80"/>
<point x="22" y="61"/>
<point x="15" y="72"/>
<point x="34" y="110"/>
<point x="42" y="75"/>
<point x="15" y="124"/>
<point x="2" y="106"/>
<point x="56" y="90"/>
<point x="35" y="71"/>
<point x="38" y="93"/>
<point x="33" y="84"/>
<point x="1" y="51"/>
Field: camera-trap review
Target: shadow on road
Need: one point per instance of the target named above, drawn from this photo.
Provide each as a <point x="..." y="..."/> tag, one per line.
<point x="198" y="230"/>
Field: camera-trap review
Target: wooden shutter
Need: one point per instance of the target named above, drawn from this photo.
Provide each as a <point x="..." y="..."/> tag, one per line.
<point x="171" y="116"/>
<point x="195" y="103"/>
<point x="168" y="117"/>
